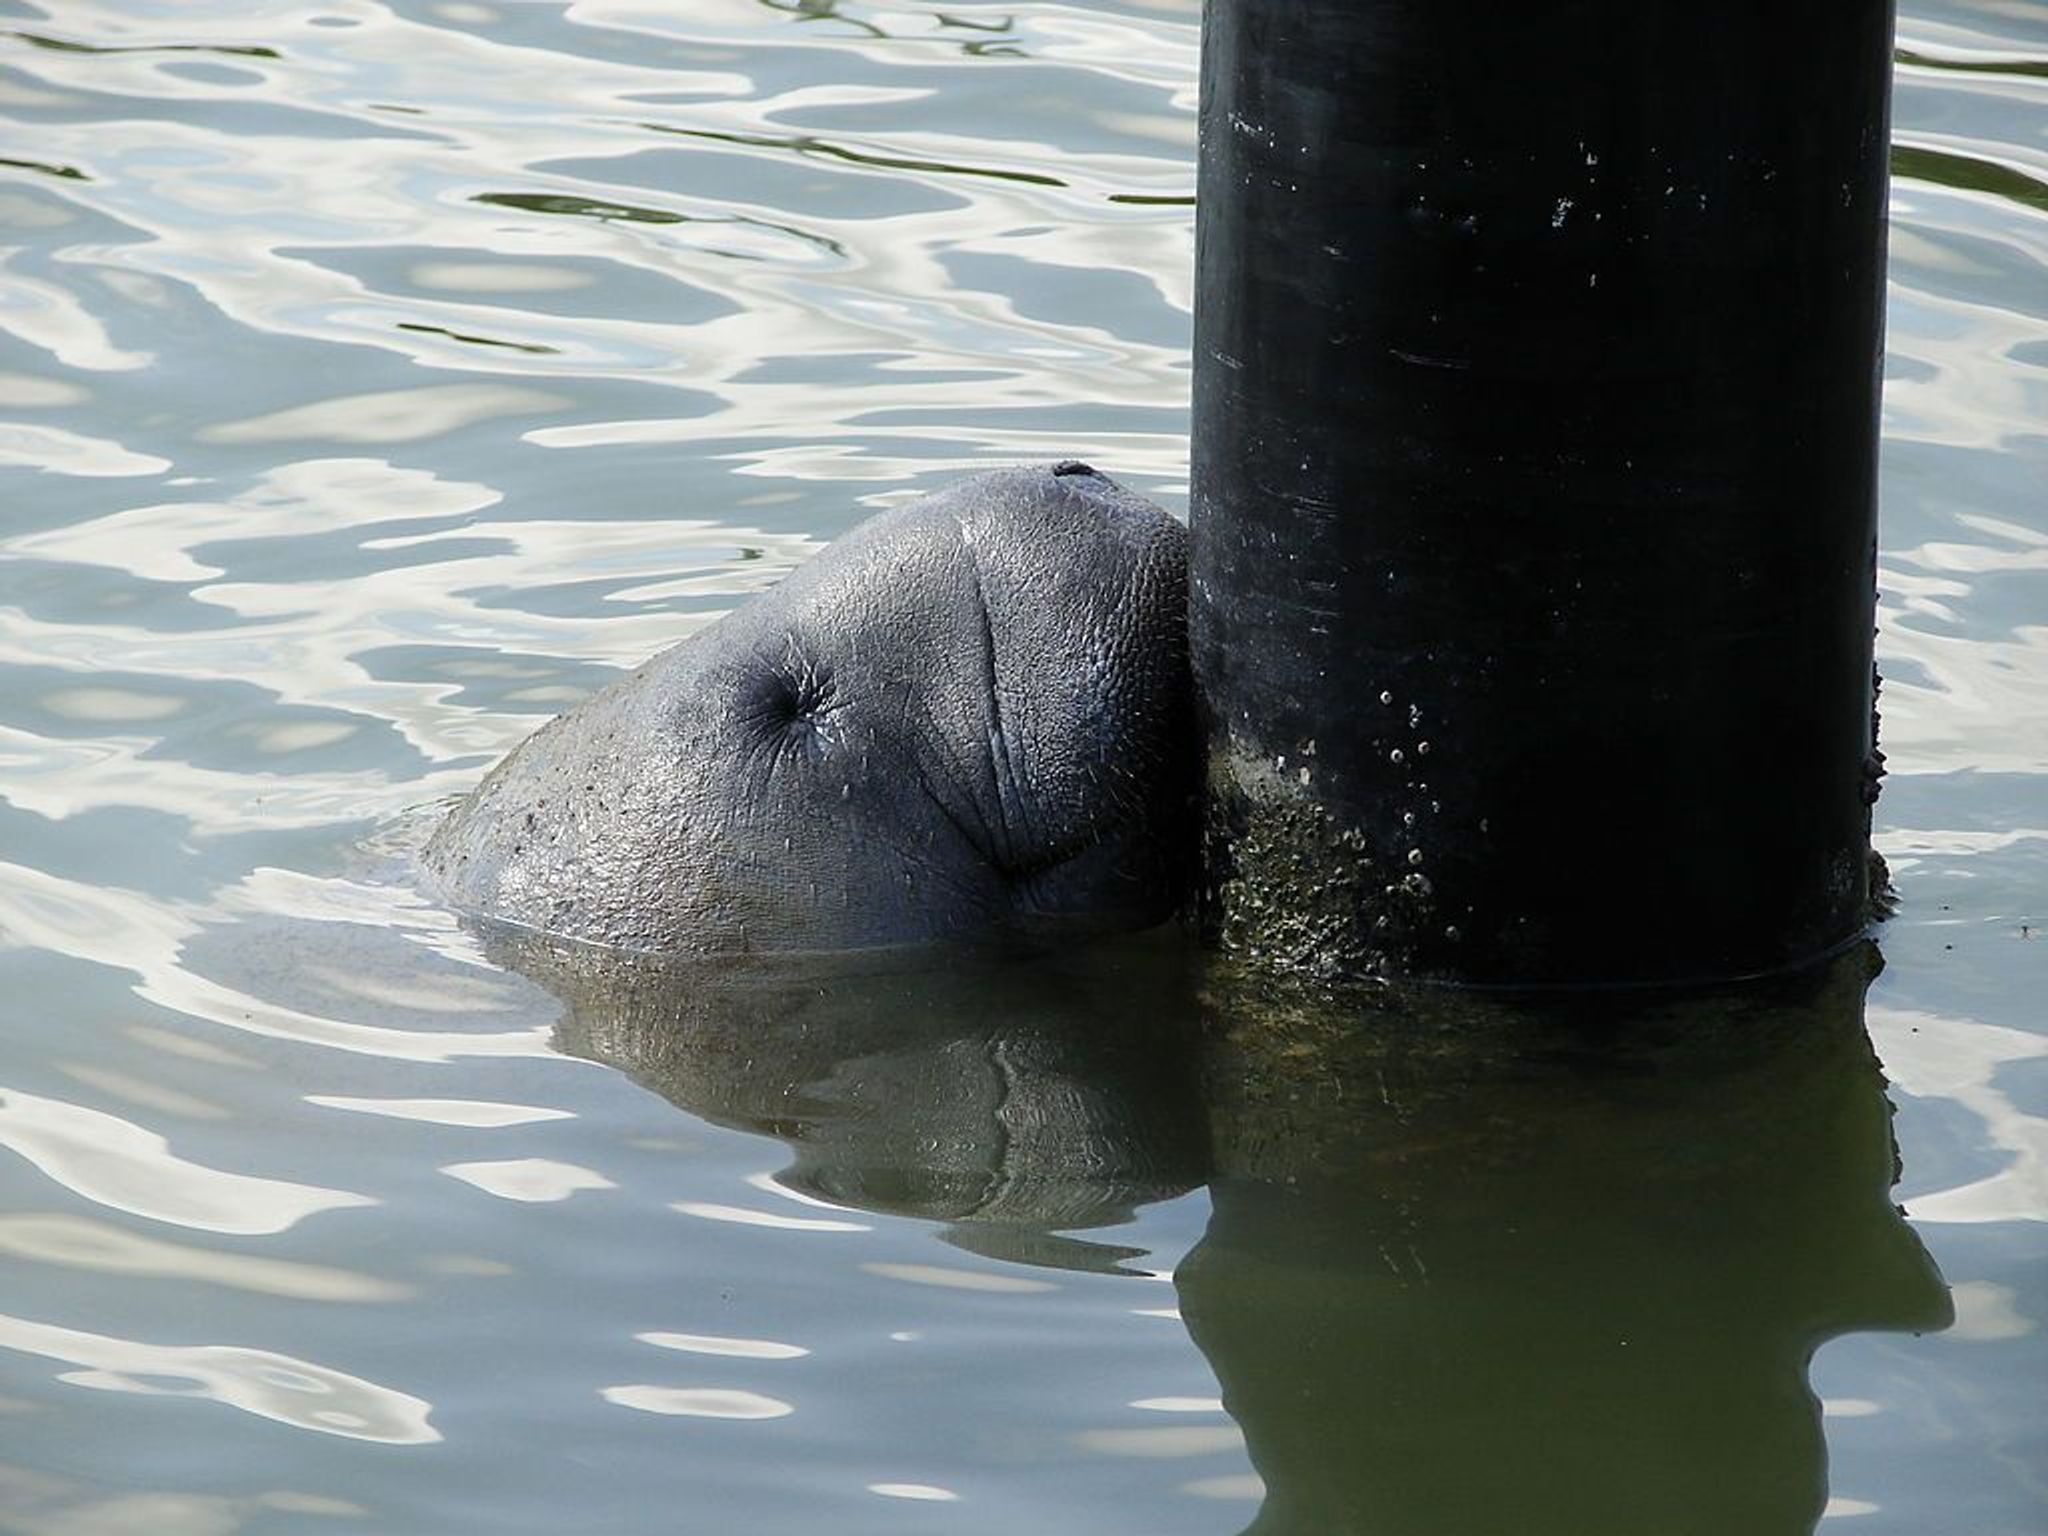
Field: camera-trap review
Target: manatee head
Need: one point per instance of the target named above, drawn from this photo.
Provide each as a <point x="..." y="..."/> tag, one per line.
<point x="968" y="717"/>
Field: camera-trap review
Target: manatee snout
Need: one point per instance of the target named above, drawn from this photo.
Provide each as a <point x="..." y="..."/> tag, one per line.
<point x="967" y="718"/>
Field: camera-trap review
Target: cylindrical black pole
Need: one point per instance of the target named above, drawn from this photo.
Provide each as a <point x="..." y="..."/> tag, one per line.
<point x="1535" y="428"/>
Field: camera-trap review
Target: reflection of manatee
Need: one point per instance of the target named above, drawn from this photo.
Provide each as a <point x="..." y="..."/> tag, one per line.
<point x="987" y="1091"/>
<point x="1479" y="1267"/>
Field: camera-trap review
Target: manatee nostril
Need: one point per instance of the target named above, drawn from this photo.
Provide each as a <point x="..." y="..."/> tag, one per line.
<point x="1072" y="467"/>
<point x="785" y="700"/>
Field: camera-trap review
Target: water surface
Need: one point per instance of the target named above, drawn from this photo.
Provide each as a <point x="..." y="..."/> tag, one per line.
<point x="378" y="379"/>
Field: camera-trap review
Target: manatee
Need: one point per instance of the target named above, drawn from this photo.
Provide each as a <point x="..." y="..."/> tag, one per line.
<point x="969" y="718"/>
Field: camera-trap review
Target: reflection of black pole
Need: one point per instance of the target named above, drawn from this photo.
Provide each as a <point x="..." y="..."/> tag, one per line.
<point x="1534" y="445"/>
<point x="1566" y="1274"/>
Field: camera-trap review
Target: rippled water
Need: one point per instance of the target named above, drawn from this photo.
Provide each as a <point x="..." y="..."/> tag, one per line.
<point x="377" y="378"/>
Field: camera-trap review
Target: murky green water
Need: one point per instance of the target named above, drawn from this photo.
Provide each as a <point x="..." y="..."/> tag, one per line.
<point x="377" y="378"/>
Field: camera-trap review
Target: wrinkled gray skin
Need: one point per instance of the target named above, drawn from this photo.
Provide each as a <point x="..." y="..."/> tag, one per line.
<point x="969" y="717"/>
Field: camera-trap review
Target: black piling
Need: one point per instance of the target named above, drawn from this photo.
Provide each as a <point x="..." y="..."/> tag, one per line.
<point x="1535" y="428"/>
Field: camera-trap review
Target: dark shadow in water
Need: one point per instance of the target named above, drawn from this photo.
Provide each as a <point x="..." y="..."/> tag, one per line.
<point x="1911" y="162"/>
<point x="811" y="145"/>
<point x="1474" y="1265"/>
